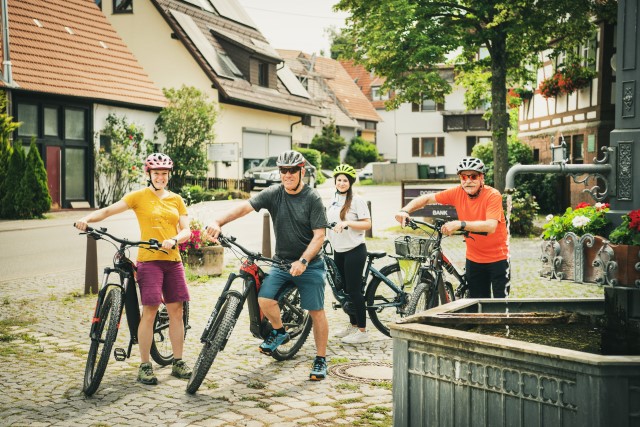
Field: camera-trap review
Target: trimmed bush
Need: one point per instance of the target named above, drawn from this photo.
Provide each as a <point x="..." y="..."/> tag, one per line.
<point x="9" y="204"/>
<point x="33" y="194"/>
<point x="361" y="152"/>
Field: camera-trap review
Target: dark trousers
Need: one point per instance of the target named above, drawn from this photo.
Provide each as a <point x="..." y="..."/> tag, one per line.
<point x="351" y="266"/>
<point x="483" y="278"/>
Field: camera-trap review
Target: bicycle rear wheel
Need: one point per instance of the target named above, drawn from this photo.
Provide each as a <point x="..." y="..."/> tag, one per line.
<point x="221" y="329"/>
<point x="384" y="304"/>
<point x="296" y="321"/>
<point x="161" y="348"/>
<point x="426" y="296"/>
<point x="106" y="330"/>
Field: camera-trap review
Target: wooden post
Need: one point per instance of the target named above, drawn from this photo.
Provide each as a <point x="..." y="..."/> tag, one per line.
<point x="369" y="232"/>
<point x="91" y="267"/>
<point x="266" y="235"/>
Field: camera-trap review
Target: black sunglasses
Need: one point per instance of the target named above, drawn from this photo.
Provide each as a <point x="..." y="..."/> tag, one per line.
<point x="291" y="170"/>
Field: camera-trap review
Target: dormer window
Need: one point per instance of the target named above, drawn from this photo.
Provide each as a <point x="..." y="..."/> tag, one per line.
<point x="378" y="95"/>
<point x="122" y="6"/>
<point x="263" y="74"/>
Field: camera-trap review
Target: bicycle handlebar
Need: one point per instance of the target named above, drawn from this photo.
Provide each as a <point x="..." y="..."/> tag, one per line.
<point x="98" y="233"/>
<point x="413" y="223"/>
<point x="229" y="241"/>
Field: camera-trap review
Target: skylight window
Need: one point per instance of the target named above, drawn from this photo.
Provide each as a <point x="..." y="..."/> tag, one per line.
<point x="38" y="23"/>
<point x="69" y="30"/>
<point x="229" y="63"/>
<point x="104" y="45"/>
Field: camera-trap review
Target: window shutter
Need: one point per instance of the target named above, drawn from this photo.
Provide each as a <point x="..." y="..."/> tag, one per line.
<point x="415" y="147"/>
<point x="415" y="107"/>
<point x="440" y="146"/>
<point x="440" y="106"/>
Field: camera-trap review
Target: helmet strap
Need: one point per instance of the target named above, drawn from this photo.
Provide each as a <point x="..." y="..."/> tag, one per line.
<point x="299" y="180"/>
<point x="473" y="196"/>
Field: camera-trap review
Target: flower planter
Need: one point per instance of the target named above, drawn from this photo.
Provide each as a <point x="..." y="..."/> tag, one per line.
<point x="571" y="258"/>
<point x="617" y="265"/>
<point x="208" y="260"/>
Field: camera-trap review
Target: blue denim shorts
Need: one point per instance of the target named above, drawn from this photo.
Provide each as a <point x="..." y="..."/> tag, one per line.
<point x="310" y="283"/>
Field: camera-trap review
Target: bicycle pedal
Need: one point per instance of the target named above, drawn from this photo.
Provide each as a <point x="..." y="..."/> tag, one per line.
<point x="119" y="354"/>
<point x="335" y="305"/>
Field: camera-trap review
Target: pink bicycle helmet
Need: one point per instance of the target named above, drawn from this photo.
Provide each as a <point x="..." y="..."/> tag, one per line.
<point x="158" y="161"/>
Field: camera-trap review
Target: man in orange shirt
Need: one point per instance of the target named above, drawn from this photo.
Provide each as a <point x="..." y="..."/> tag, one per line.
<point x="479" y="209"/>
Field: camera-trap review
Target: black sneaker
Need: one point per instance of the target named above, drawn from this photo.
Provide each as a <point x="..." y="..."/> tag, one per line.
<point x="319" y="369"/>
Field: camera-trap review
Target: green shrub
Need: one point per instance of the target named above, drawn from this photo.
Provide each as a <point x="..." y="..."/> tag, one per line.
<point x="329" y="144"/>
<point x="9" y="207"/>
<point x="195" y="194"/>
<point x="361" y="152"/>
<point x="524" y="210"/>
<point x="584" y="219"/>
<point x="33" y="196"/>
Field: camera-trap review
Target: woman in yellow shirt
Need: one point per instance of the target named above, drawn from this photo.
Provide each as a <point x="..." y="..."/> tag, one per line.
<point x="162" y="215"/>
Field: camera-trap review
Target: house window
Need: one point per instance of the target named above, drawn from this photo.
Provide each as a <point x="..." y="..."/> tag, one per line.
<point x="230" y="65"/>
<point x="472" y="141"/>
<point x="427" y="147"/>
<point x="75" y="167"/>
<point x="370" y="125"/>
<point x="122" y="6"/>
<point x="427" y="105"/>
<point x="51" y="121"/>
<point x="536" y="154"/>
<point x="263" y="74"/>
<point x="28" y="115"/>
<point x="378" y="95"/>
<point x="74" y="124"/>
<point x="577" y="149"/>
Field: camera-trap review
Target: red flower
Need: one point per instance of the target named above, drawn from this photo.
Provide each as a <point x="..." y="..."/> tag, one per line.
<point x="130" y="136"/>
<point x="133" y="167"/>
<point x="634" y="220"/>
<point x="582" y="205"/>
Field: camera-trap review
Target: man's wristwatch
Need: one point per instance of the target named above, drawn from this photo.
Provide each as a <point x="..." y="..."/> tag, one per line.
<point x="303" y="261"/>
<point x="462" y="225"/>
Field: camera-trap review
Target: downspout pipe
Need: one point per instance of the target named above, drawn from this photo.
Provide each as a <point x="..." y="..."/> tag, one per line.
<point x="563" y="169"/>
<point x="7" y="74"/>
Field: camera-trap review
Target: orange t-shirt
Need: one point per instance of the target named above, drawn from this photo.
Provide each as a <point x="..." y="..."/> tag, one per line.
<point x="158" y="219"/>
<point x="488" y="205"/>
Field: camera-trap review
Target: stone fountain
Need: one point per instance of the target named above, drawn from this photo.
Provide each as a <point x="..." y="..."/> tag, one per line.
<point x="445" y="375"/>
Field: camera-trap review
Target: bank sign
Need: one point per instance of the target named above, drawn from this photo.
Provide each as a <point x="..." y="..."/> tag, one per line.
<point x="429" y="211"/>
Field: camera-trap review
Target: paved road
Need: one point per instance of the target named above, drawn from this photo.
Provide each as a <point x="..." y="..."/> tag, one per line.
<point x="44" y="323"/>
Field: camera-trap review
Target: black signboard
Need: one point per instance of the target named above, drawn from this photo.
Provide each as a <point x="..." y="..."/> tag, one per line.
<point x="429" y="211"/>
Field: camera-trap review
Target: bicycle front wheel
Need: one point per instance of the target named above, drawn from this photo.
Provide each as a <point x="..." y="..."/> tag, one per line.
<point x="384" y="304"/>
<point x="221" y="329"/>
<point x="106" y="330"/>
<point x="427" y="296"/>
<point x="161" y="348"/>
<point x="296" y="321"/>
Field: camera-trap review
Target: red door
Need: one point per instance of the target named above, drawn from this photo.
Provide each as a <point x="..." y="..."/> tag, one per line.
<point x="53" y="175"/>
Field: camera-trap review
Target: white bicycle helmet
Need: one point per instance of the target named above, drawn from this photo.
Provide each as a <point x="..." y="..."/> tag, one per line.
<point x="470" y="164"/>
<point x="290" y="158"/>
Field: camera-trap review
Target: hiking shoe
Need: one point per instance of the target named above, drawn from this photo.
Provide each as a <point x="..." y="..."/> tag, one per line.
<point x="181" y="370"/>
<point x="346" y="331"/>
<point x="319" y="369"/>
<point x="272" y="342"/>
<point x="145" y="374"/>
<point x="357" y="337"/>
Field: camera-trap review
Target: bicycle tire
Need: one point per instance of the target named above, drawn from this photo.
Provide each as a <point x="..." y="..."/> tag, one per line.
<point x="423" y="297"/>
<point x="161" y="348"/>
<point x="384" y="304"/>
<point x="221" y="329"/>
<point x="106" y="332"/>
<point x="296" y="321"/>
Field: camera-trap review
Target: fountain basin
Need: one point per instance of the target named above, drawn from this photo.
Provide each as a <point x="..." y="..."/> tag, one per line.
<point x="450" y="377"/>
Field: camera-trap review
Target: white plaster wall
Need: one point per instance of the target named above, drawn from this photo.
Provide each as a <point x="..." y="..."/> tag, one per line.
<point x="144" y="119"/>
<point x="386" y="140"/>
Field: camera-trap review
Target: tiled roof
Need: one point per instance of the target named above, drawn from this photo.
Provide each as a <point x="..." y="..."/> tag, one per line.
<point x="364" y="80"/>
<point x="339" y="82"/>
<point x="236" y="90"/>
<point x="68" y="47"/>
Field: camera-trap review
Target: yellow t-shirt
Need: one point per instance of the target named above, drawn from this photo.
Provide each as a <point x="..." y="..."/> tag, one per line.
<point x="158" y="219"/>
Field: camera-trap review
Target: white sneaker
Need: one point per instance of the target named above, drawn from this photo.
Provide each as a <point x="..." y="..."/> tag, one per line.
<point x="357" y="337"/>
<point x="346" y="331"/>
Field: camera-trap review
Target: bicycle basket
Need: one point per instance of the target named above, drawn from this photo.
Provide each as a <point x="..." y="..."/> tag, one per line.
<point x="407" y="246"/>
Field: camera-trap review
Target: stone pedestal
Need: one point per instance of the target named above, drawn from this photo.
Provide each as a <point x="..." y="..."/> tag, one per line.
<point x="207" y="261"/>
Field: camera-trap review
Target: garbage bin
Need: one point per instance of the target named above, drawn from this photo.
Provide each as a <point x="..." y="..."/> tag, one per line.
<point x="433" y="171"/>
<point x="440" y="171"/>
<point x="423" y="171"/>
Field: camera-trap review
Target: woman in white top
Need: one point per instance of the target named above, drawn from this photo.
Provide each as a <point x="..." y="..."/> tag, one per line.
<point x="352" y="218"/>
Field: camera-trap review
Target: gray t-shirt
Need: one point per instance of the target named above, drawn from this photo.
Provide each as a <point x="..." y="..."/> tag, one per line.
<point x="294" y="217"/>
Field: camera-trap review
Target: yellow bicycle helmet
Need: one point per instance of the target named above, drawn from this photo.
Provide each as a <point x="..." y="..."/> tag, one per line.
<point x="345" y="169"/>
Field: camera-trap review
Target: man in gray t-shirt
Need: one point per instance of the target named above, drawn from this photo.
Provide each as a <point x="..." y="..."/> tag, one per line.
<point x="299" y="221"/>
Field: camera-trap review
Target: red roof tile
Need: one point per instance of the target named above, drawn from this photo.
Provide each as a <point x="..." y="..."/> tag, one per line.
<point x="364" y="80"/>
<point x="51" y="60"/>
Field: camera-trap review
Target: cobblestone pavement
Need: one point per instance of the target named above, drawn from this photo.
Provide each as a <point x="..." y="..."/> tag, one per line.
<point x="44" y="325"/>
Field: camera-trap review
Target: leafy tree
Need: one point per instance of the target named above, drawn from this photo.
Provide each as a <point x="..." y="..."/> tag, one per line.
<point x="7" y="127"/>
<point x="360" y="152"/>
<point x="406" y="41"/>
<point x="9" y="202"/>
<point x="187" y="123"/>
<point x="32" y="197"/>
<point x="329" y="144"/>
<point x="121" y="166"/>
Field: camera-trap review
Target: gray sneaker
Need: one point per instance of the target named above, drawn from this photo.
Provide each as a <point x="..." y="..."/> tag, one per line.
<point x="145" y="374"/>
<point x="181" y="370"/>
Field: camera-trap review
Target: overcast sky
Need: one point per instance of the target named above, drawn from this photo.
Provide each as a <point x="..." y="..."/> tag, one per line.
<point x="295" y="24"/>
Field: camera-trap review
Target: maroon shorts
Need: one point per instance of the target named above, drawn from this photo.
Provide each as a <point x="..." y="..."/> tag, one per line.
<point x="162" y="281"/>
